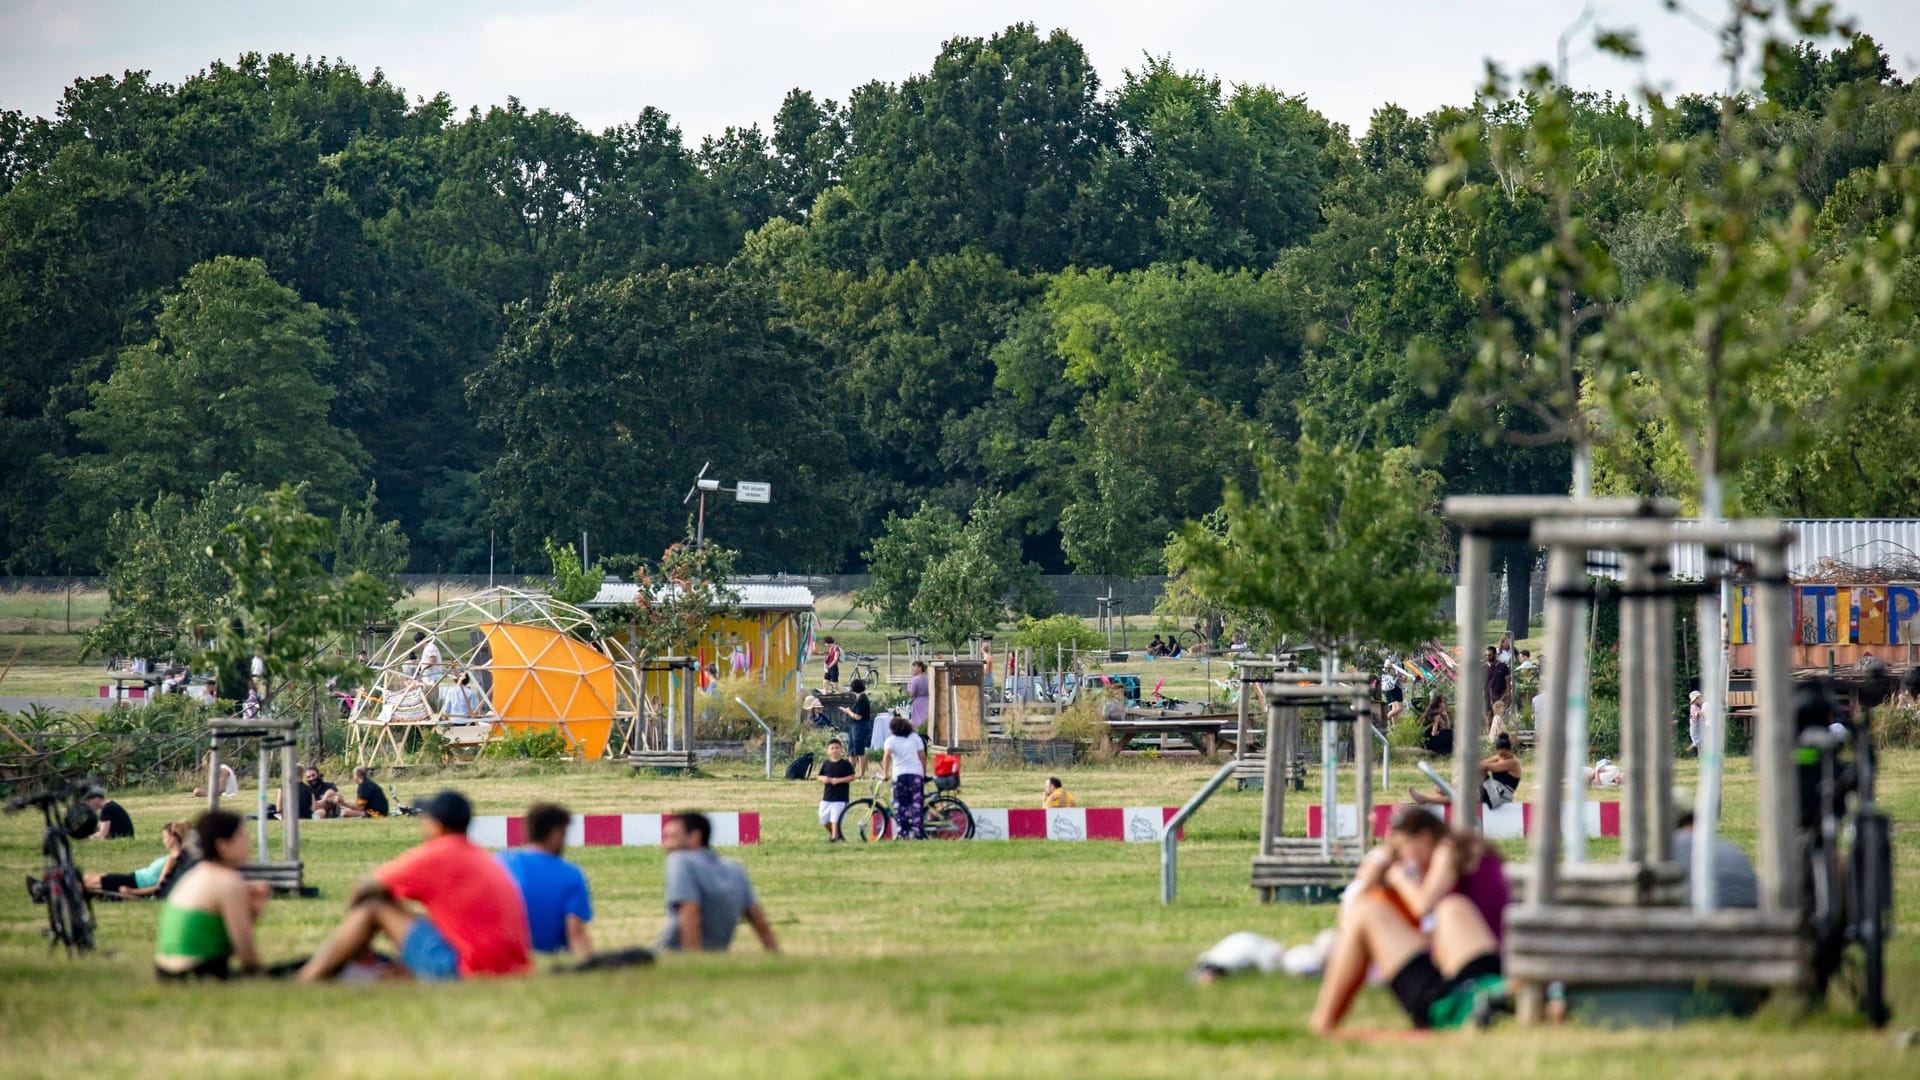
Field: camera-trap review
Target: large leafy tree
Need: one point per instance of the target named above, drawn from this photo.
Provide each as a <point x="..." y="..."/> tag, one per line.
<point x="608" y="398"/>
<point x="986" y="150"/>
<point x="1335" y="549"/>
<point x="164" y="589"/>
<point x="233" y="382"/>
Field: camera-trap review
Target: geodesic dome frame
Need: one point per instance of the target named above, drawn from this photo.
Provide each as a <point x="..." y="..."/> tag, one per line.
<point x="530" y="661"/>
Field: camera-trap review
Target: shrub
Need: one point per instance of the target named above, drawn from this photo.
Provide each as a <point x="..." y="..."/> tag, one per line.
<point x="1603" y="728"/>
<point x="1896" y="727"/>
<point x="532" y="744"/>
<point x="1084" y="721"/>
<point x="721" y="717"/>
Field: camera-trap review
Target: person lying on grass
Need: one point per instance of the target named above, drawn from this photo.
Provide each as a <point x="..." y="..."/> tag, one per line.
<point x="206" y="922"/>
<point x="559" y="907"/>
<point x="475" y="922"/>
<point x="1438" y="980"/>
<point x="146" y="880"/>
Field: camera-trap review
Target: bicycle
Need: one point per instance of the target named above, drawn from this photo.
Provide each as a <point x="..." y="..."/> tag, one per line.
<point x="62" y="888"/>
<point x="862" y="667"/>
<point x="1849" y="869"/>
<point x="946" y="816"/>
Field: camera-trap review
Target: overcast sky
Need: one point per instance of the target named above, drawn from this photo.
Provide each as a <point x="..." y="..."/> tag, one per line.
<point x="714" y="63"/>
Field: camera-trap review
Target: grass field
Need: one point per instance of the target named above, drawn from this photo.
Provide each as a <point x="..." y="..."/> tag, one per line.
<point x="1028" y="959"/>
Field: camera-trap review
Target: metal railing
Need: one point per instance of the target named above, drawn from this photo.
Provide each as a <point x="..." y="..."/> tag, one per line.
<point x="1172" y="834"/>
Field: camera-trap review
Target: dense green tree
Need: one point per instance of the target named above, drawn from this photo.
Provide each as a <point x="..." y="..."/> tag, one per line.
<point x="233" y="382"/>
<point x="164" y="589"/>
<point x="608" y="398"/>
<point x="987" y="150"/>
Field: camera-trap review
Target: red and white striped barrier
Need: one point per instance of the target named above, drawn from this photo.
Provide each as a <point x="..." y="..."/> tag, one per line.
<point x="1133" y="824"/>
<point x="614" y="830"/>
<point x="1510" y="822"/>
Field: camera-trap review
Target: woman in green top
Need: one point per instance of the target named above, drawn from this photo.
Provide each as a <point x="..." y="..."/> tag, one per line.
<point x="207" y="922"/>
<point x="147" y="880"/>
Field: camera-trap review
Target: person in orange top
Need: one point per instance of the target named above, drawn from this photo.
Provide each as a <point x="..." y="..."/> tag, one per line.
<point x="1056" y="795"/>
<point x="475" y="921"/>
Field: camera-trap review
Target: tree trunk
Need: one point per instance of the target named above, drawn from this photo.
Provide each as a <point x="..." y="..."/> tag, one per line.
<point x="1519" y="590"/>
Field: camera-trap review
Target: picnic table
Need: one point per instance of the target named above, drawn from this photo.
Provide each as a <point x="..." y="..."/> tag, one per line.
<point x="1201" y="730"/>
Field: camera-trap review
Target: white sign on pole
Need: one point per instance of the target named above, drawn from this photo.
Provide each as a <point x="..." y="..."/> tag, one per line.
<point x="749" y="491"/>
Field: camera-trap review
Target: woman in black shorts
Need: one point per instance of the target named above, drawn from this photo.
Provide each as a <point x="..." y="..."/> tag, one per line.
<point x="1436" y="982"/>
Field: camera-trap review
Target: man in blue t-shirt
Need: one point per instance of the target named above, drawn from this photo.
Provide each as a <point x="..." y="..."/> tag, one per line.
<point x="555" y="891"/>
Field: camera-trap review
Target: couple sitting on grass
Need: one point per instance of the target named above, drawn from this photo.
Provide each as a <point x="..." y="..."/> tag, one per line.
<point x="1426" y="910"/>
<point x="482" y="915"/>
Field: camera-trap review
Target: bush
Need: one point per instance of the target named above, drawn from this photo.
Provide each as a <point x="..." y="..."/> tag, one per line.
<point x="531" y="744"/>
<point x="720" y="717"/>
<point x="1408" y="733"/>
<point x="1084" y="721"/>
<point x="1603" y="728"/>
<point x="1896" y="727"/>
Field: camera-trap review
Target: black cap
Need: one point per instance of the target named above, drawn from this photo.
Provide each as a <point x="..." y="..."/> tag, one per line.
<point x="450" y="808"/>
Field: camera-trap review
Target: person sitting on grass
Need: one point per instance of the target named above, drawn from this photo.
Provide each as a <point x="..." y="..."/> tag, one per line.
<point x="367" y="795"/>
<point x="707" y="896"/>
<point x="1437" y="725"/>
<point x="1055" y="795"/>
<point x="114" y="822"/>
<point x="229" y="781"/>
<point x="837" y="791"/>
<point x="1423" y="861"/>
<point x="1499" y="779"/>
<point x="206" y="922"/>
<point x="559" y="906"/>
<point x="475" y="922"/>
<point x="147" y="880"/>
<point x="325" y="797"/>
<point x="1437" y="978"/>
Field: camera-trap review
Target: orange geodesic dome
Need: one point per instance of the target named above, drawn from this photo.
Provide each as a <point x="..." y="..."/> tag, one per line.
<point x="501" y="660"/>
<point x="544" y="677"/>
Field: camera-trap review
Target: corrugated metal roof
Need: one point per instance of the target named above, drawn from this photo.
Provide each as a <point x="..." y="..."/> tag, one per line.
<point x="752" y="595"/>
<point x="1861" y="541"/>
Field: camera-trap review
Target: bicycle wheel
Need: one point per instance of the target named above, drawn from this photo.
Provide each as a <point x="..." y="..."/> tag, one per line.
<point x="1824" y="920"/>
<point x="948" y="819"/>
<point x="866" y="821"/>
<point x="79" y="912"/>
<point x="1871" y="890"/>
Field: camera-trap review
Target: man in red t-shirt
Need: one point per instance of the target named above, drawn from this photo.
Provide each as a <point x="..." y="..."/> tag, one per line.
<point x="475" y="921"/>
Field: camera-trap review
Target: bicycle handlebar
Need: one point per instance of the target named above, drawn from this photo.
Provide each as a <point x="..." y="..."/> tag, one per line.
<point x="45" y="798"/>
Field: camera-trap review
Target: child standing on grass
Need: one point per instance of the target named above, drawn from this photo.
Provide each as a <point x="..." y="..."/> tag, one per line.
<point x="834" y="796"/>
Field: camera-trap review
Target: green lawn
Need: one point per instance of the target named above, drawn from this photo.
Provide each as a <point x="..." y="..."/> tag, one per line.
<point x="1030" y="959"/>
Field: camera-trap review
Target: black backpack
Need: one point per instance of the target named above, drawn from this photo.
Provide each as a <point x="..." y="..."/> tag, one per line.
<point x="801" y="768"/>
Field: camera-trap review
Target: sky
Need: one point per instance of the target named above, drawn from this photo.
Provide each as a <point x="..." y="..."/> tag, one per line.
<point x="715" y="63"/>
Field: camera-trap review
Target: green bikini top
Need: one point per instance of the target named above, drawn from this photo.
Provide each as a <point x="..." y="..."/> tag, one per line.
<point x="201" y="935"/>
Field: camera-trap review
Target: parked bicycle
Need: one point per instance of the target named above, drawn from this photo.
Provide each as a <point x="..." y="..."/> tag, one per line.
<point x="861" y="666"/>
<point x="1849" y="873"/>
<point x="871" y="818"/>
<point x="62" y="888"/>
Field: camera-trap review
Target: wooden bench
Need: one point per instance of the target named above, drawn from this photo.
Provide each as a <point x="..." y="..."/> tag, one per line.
<point x="1202" y="732"/>
<point x="1298" y="870"/>
<point x="676" y="760"/>
<point x="1251" y="772"/>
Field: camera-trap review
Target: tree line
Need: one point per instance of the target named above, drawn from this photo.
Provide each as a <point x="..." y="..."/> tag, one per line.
<point x="1033" y="318"/>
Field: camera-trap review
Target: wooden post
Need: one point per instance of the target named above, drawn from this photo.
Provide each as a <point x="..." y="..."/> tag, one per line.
<point x="1635" y="774"/>
<point x="1329" y="760"/>
<point x="289" y="804"/>
<point x="1566" y="571"/>
<point x="1240" y="738"/>
<point x="1363" y="766"/>
<point x="1471" y="689"/>
<point x="1773" y="733"/>
<point x="213" y="775"/>
<point x="1274" y="795"/>
<point x="1658" y="728"/>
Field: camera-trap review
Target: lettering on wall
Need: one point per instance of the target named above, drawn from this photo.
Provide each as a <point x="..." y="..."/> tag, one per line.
<point x="1840" y="614"/>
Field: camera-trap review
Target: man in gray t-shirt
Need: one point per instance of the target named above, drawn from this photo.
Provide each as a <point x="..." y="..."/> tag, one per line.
<point x="707" y="896"/>
<point x="1735" y="885"/>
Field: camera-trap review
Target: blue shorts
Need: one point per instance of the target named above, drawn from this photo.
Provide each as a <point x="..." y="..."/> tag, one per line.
<point x="427" y="954"/>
